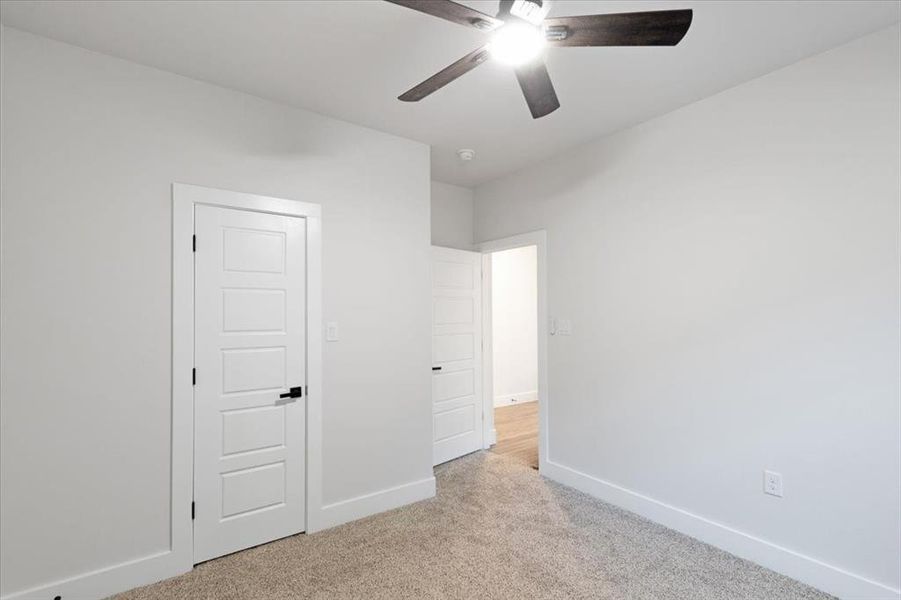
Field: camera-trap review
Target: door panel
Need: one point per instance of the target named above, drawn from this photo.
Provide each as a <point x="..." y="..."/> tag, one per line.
<point x="453" y="347"/>
<point x="253" y="251"/>
<point x="261" y="311"/>
<point x="245" y="430"/>
<point x="447" y="386"/>
<point x="456" y="353"/>
<point x="455" y="422"/>
<point x="451" y="311"/>
<point x="253" y="489"/>
<point x="250" y="346"/>
<point x="253" y="369"/>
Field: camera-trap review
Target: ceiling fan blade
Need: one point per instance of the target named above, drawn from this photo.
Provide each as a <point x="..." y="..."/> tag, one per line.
<point x="653" y="28"/>
<point x="446" y="75"/>
<point x="537" y="88"/>
<point x="451" y="11"/>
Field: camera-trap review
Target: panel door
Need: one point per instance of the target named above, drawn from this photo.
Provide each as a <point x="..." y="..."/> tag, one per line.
<point x="249" y="344"/>
<point x="456" y="353"/>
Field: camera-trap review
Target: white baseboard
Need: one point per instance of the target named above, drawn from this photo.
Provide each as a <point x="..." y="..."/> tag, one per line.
<point x="829" y="578"/>
<point x="518" y="398"/>
<point x="834" y="580"/>
<point x="492" y="438"/>
<point x="107" y="581"/>
<point x="376" y="502"/>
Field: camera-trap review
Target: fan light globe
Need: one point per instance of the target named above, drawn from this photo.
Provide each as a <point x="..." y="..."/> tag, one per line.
<point x="517" y="43"/>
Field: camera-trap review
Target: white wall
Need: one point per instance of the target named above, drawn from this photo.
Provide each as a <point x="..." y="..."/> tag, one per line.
<point x="732" y="274"/>
<point x="90" y="148"/>
<point x="514" y="325"/>
<point x="452" y="215"/>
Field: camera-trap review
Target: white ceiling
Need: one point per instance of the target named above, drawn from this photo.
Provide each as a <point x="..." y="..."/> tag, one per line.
<point x="351" y="59"/>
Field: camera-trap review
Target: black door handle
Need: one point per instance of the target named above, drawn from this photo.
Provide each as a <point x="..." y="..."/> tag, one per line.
<point x="436" y="368"/>
<point x="295" y="392"/>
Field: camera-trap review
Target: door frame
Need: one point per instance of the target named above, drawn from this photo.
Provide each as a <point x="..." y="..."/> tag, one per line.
<point x="184" y="199"/>
<point x="539" y="240"/>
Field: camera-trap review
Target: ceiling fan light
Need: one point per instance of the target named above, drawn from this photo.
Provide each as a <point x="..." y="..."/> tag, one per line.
<point x="517" y="43"/>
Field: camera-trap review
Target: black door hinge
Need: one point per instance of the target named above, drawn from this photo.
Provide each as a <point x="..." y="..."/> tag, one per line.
<point x="193" y="376"/>
<point x="192" y="510"/>
<point x="193" y="243"/>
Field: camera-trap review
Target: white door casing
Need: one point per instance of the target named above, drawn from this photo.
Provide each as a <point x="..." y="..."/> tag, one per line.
<point x="250" y="345"/>
<point x="456" y="353"/>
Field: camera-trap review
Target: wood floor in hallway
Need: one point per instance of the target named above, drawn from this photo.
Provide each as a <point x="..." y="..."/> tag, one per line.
<point x="517" y="432"/>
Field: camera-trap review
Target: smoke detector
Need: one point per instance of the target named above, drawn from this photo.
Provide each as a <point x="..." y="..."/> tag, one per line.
<point x="466" y="154"/>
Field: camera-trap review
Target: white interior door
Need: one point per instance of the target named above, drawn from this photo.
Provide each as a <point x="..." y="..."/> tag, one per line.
<point x="456" y="353"/>
<point x="249" y="345"/>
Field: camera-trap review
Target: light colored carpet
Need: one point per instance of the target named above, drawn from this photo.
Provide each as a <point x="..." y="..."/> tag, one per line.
<point x="496" y="530"/>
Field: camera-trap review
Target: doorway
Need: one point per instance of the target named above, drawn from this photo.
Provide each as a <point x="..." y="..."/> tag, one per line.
<point x="247" y="368"/>
<point x="514" y="344"/>
<point x="515" y="329"/>
<point x="463" y="393"/>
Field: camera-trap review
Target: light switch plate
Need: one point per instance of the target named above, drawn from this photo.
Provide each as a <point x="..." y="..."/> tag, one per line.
<point x="331" y="332"/>
<point x="564" y="327"/>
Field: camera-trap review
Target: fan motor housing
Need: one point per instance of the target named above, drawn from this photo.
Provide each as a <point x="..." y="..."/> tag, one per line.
<point x="533" y="11"/>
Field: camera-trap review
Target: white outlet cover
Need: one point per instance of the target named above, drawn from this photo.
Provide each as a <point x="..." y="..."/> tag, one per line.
<point x="772" y="483"/>
<point x="331" y="332"/>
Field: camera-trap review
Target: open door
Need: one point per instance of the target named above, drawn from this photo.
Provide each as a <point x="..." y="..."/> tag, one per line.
<point x="456" y="353"/>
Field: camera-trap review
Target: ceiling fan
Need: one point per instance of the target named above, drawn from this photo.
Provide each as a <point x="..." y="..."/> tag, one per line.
<point x="521" y="31"/>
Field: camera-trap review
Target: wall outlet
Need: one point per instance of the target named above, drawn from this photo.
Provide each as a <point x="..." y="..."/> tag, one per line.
<point x="772" y="483"/>
<point x="331" y="332"/>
